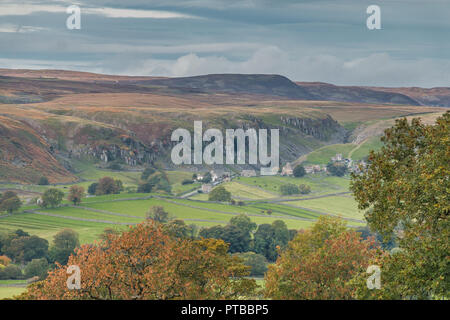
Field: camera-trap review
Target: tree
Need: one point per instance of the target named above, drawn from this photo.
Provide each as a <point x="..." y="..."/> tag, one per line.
<point x="243" y="222"/>
<point x="4" y="260"/>
<point x="337" y="168"/>
<point x="43" y="181"/>
<point x="257" y="262"/>
<point x="64" y="244"/>
<point x="405" y="192"/>
<point x="158" y="214"/>
<point x="147" y="172"/>
<point x="219" y="194"/>
<point x="37" y="268"/>
<point x="10" y="202"/>
<point x="319" y="263"/>
<point x="107" y="185"/>
<point x="179" y="229"/>
<point x="146" y="263"/>
<point x="264" y="242"/>
<point x="299" y="171"/>
<point x="7" y="195"/>
<point x="11" y="272"/>
<point x="52" y="197"/>
<point x="76" y="194"/>
<point x="238" y="239"/>
<point x="289" y="189"/>
<point x="22" y="249"/>
<point x="92" y="189"/>
<point x="145" y="187"/>
<point x="10" y="205"/>
<point x="207" y="178"/>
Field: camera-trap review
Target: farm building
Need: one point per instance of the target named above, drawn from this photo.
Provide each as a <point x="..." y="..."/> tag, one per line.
<point x="206" y="188"/>
<point x="287" y="170"/>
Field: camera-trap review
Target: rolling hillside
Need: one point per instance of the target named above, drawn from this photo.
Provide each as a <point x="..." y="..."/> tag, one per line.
<point x="49" y="119"/>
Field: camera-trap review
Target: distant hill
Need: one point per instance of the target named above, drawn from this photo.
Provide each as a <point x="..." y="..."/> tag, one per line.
<point x="260" y="84"/>
<point x="330" y="92"/>
<point x="428" y="97"/>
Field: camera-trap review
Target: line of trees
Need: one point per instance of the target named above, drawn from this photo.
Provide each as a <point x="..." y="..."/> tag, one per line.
<point x="25" y="256"/>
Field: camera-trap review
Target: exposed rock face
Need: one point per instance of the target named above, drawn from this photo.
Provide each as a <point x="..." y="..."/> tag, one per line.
<point x="322" y="129"/>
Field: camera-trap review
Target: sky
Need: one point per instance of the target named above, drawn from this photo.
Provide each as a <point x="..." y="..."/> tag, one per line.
<point x="304" y="40"/>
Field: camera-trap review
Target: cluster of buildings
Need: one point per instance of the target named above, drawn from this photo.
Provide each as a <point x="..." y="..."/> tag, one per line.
<point x="218" y="176"/>
<point x="352" y="166"/>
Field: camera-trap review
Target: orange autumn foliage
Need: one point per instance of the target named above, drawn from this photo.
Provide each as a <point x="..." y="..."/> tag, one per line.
<point x="319" y="263"/>
<point x="146" y="263"/>
<point x="4" y="260"/>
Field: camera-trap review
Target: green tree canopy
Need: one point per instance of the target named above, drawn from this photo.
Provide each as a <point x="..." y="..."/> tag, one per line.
<point x="405" y="191"/>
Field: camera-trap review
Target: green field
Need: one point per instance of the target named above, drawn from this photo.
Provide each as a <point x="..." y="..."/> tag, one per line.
<point x="323" y="155"/>
<point x="364" y="148"/>
<point x="9" y="292"/>
<point x="319" y="183"/>
<point x="344" y="206"/>
<point x="46" y="227"/>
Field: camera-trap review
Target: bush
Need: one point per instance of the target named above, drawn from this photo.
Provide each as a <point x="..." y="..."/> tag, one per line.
<point x="289" y="189"/>
<point x="4" y="260"/>
<point x="11" y="272"/>
<point x="304" y="189"/>
<point x="92" y="189"/>
<point x="37" y="268"/>
<point x="115" y="166"/>
<point x="337" y="169"/>
<point x="43" y="181"/>
<point x="145" y="187"/>
<point x="299" y="171"/>
<point x="187" y="181"/>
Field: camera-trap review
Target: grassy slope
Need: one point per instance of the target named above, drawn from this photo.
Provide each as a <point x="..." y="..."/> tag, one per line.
<point x="344" y="206"/>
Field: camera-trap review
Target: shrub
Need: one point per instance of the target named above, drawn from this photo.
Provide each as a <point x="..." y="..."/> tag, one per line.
<point x="37" y="268"/>
<point x="11" y="272"/>
<point x="43" y="181"/>
<point x="304" y="189"/>
<point x="92" y="189"/>
<point x="289" y="189"/>
<point x="299" y="171"/>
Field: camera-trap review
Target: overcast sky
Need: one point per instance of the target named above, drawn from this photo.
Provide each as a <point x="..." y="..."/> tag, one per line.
<point x="305" y="40"/>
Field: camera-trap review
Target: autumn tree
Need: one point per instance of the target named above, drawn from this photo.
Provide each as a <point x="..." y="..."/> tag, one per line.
<point x="318" y="263"/>
<point x="146" y="263"/>
<point x="76" y="194"/>
<point x="107" y="185"/>
<point x="405" y="191"/>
